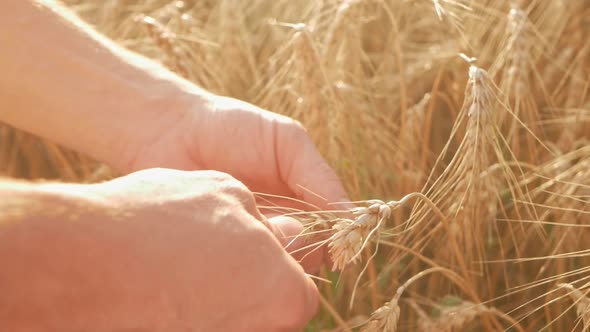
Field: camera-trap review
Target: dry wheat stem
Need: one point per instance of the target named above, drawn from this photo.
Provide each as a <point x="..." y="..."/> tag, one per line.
<point x="455" y="317"/>
<point x="582" y="303"/>
<point x="163" y="38"/>
<point x="357" y="91"/>
<point x="386" y="317"/>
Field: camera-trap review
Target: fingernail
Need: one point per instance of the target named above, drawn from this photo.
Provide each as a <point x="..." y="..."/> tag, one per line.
<point x="285" y="228"/>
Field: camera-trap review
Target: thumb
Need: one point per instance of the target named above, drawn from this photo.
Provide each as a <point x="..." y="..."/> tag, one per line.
<point x="304" y="169"/>
<point x="288" y="231"/>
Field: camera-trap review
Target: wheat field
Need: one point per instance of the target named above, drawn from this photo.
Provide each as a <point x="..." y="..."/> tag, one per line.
<point x="460" y="127"/>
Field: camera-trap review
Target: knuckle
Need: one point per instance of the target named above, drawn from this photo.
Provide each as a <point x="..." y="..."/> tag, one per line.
<point x="294" y="127"/>
<point x="297" y="132"/>
<point x="266" y="243"/>
<point x="239" y="191"/>
<point x="217" y="175"/>
<point x="151" y="172"/>
<point x="234" y="192"/>
<point x="298" y="127"/>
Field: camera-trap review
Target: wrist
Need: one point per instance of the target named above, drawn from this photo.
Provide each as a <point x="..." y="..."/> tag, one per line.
<point x="104" y="94"/>
<point x="47" y="234"/>
<point x="167" y="127"/>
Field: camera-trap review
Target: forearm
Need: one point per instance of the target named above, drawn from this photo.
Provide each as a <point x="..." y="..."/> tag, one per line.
<point x="50" y="235"/>
<point x="37" y="210"/>
<point x="63" y="81"/>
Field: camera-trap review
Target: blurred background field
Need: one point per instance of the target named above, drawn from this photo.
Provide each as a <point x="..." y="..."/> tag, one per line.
<point x="482" y="106"/>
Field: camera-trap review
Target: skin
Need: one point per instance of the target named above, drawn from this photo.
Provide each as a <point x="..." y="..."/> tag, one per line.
<point x="157" y="249"/>
<point x="138" y="253"/>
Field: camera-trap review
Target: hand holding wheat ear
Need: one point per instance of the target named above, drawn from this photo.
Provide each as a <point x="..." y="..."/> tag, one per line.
<point x="157" y="249"/>
<point x="270" y="153"/>
<point x="498" y="145"/>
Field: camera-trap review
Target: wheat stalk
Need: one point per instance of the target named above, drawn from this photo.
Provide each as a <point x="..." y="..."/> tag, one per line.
<point x="163" y="38"/>
<point x="453" y="318"/>
<point x="581" y="302"/>
<point x="386" y="317"/>
<point x="354" y="72"/>
<point x="518" y="49"/>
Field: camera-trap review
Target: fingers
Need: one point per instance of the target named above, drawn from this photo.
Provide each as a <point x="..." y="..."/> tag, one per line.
<point x="304" y="170"/>
<point x="312" y="301"/>
<point x="293" y="300"/>
<point x="297" y="291"/>
<point x="288" y="230"/>
<point x="302" y="298"/>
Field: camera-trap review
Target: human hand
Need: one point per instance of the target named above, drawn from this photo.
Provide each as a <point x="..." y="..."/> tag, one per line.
<point x="159" y="249"/>
<point x="134" y="114"/>
<point x="270" y="153"/>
